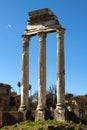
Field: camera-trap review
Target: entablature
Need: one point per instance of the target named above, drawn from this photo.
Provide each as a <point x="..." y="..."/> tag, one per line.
<point x="41" y="21"/>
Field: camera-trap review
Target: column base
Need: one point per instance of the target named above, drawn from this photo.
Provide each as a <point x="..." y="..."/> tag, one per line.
<point x="60" y="113"/>
<point x="24" y="110"/>
<point x="39" y="115"/>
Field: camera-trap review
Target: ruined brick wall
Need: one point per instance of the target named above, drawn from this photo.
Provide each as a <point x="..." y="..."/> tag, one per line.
<point x="8" y="118"/>
<point x="4" y="102"/>
<point x="1" y="119"/>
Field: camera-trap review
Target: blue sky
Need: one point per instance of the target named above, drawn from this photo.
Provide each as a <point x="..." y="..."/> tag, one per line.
<point x="72" y="16"/>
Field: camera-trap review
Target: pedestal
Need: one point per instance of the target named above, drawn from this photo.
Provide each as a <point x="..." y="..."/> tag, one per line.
<point x="39" y="115"/>
<point x="60" y="113"/>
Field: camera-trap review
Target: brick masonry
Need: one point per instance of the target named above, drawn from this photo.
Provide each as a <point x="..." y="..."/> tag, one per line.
<point x="8" y="118"/>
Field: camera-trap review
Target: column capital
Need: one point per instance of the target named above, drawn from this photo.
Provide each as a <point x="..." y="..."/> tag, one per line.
<point x="25" y="38"/>
<point x="25" y="41"/>
<point x="60" y="32"/>
<point x="42" y="36"/>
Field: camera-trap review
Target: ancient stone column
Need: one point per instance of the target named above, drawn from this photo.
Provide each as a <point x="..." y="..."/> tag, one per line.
<point x="40" y="113"/>
<point x="25" y="74"/>
<point x="60" y="106"/>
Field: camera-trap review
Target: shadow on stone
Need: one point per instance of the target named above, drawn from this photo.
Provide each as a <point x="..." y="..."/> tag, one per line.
<point x="48" y="114"/>
<point x="29" y="116"/>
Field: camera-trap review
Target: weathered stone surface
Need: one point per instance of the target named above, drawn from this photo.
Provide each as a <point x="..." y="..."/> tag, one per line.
<point x="39" y="115"/>
<point x="42" y="22"/>
<point x="42" y="72"/>
<point x="60" y="113"/>
<point x="45" y="26"/>
<point x="60" y="109"/>
<point x="42" y="12"/>
<point x="25" y="74"/>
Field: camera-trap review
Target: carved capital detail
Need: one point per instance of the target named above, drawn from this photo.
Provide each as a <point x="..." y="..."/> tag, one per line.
<point x="42" y="36"/>
<point x="25" y="43"/>
<point x="25" y="39"/>
<point x="60" y="32"/>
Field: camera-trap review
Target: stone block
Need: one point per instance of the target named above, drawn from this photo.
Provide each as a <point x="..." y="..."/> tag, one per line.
<point x="39" y="115"/>
<point x="60" y="113"/>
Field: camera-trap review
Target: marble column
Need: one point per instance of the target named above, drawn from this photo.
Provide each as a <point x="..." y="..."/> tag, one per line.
<point x="40" y="115"/>
<point x="25" y="73"/>
<point x="60" y="106"/>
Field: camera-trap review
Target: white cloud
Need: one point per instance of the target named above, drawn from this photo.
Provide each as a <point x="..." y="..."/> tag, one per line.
<point x="9" y="26"/>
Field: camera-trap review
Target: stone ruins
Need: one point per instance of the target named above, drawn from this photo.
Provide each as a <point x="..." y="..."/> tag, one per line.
<point x="40" y="23"/>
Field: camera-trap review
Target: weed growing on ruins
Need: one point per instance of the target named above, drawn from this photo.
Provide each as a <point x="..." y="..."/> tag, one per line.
<point x="45" y="125"/>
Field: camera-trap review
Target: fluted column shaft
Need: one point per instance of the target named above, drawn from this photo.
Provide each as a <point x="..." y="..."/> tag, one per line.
<point x="60" y="68"/>
<point x="25" y="73"/>
<point x="42" y="72"/>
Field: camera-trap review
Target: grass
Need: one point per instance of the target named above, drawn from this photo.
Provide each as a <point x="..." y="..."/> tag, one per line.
<point x="43" y="125"/>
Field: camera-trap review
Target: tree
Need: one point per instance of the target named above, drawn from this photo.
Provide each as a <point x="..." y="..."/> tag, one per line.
<point x="33" y="101"/>
<point x="19" y="85"/>
<point x="51" y="96"/>
<point x="30" y="87"/>
<point x="69" y="95"/>
<point x="35" y="97"/>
